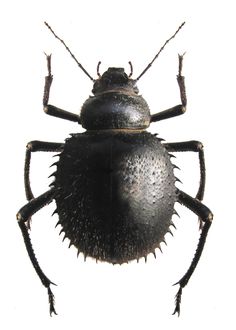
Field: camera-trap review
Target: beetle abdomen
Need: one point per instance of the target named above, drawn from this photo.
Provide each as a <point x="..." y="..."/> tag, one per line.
<point x="115" y="194"/>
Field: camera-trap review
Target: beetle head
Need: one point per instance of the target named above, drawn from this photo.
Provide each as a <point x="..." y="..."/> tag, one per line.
<point x="114" y="79"/>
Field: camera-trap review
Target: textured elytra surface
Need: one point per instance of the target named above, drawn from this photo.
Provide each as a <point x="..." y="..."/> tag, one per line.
<point x="115" y="194"/>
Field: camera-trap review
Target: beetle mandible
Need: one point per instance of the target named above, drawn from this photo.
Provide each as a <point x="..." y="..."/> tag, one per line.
<point x="114" y="185"/>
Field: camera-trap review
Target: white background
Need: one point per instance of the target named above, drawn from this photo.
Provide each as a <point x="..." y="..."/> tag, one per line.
<point x="134" y="296"/>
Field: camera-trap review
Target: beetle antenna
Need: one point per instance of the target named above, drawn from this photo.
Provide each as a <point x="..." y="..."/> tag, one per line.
<point x="131" y="69"/>
<point x="98" y="66"/>
<point x="161" y="49"/>
<point x="67" y="48"/>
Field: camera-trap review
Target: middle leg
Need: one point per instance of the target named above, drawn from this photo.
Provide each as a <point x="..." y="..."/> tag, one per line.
<point x="194" y="146"/>
<point x="34" y="146"/>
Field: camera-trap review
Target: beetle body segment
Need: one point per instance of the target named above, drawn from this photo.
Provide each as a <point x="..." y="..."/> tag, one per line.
<point x="115" y="193"/>
<point x="115" y="110"/>
<point x="115" y="104"/>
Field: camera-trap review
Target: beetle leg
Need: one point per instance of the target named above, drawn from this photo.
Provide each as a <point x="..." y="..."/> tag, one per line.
<point x="32" y="147"/>
<point x="178" y="109"/>
<point x="169" y="113"/>
<point x="206" y="216"/>
<point x="22" y="216"/>
<point x="181" y="83"/>
<point x="194" y="146"/>
<point x="50" y="109"/>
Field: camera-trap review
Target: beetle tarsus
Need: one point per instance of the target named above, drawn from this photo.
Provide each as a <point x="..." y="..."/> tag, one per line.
<point x="177" y="301"/>
<point x="51" y="302"/>
<point x="181" y="82"/>
<point x="51" y="109"/>
<point x="180" y="108"/>
<point x="48" y="81"/>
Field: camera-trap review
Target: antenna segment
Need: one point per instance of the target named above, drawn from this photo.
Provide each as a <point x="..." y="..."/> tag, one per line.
<point x="161" y="49"/>
<point x="67" y="48"/>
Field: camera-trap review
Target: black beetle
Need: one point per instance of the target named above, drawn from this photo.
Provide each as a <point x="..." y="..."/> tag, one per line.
<point x="114" y="185"/>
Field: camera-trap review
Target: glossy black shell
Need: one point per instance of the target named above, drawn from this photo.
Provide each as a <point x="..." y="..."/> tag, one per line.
<point x="115" y="104"/>
<point x="115" y="110"/>
<point x="115" y="193"/>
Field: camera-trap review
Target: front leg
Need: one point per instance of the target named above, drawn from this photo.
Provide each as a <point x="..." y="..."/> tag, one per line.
<point x="32" y="147"/>
<point x="23" y="217"/>
<point x="51" y="109"/>
<point x="178" y="109"/>
<point x="194" y="146"/>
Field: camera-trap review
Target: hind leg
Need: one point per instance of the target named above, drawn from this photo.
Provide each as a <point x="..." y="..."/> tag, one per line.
<point x="206" y="216"/>
<point x="23" y="216"/>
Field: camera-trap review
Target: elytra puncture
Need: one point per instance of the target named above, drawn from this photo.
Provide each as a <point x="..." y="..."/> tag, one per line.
<point x="114" y="185"/>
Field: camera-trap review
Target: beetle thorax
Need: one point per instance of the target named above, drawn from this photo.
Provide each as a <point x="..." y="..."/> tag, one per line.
<point x="115" y="104"/>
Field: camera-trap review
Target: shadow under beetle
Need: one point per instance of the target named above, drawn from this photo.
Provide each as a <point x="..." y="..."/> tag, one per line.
<point x="114" y="185"/>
